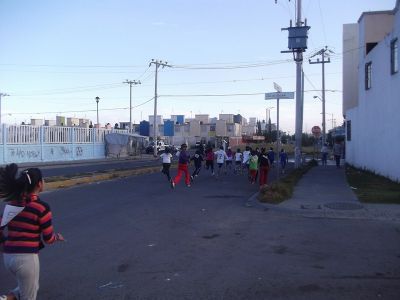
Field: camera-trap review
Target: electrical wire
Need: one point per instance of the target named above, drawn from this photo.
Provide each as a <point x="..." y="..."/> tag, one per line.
<point x="81" y="111"/>
<point x="322" y="21"/>
<point x="230" y="67"/>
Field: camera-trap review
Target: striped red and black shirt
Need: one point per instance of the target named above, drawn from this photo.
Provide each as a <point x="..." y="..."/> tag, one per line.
<point x="27" y="231"/>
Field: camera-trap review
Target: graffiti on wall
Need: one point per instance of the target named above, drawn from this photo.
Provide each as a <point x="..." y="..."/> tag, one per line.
<point x="20" y="153"/>
<point x="79" y="151"/>
<point x="65" y="151"/>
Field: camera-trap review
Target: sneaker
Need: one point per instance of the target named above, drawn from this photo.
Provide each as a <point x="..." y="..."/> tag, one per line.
<point x="191" y="178"/>
<point x="188" y="185"/>
<point x="172" y="184"/>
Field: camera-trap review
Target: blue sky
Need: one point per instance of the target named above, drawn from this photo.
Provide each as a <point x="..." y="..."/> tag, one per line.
<point x="57" y="56"/>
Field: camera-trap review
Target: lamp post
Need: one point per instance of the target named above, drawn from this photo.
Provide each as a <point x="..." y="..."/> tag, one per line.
<point x="2" y="95"/>
<point x="97" y="102"/>
<point x="323" y="119"/>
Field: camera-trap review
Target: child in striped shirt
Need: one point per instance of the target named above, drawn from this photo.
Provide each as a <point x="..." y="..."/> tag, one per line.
<point x="28" y="228"/>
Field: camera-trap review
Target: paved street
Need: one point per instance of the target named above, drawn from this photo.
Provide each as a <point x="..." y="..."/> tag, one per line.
<point x="136" y="238"/>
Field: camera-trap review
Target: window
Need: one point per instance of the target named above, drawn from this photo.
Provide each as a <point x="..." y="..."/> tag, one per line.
<point x="368" y="75"/>
<point x="348" y="130"/>
<point x="394" y="56"/>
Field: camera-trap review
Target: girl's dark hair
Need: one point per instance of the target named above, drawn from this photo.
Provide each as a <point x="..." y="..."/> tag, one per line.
<point x="13" y="187"/>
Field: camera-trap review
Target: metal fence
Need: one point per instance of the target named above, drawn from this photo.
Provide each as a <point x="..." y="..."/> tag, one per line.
<point x="26" y="134"/>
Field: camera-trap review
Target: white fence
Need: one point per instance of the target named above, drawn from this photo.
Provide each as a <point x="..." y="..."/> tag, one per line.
<point x="43" y="143"/>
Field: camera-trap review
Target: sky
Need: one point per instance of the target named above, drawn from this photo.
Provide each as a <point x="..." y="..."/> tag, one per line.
<point x="57" y="56"/>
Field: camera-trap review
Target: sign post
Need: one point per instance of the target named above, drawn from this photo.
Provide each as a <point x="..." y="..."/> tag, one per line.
<point x="278" y="95"/>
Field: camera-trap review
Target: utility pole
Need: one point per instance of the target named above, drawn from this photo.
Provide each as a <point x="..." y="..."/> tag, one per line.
<point x="323" y="54"/>
<point x="157" y="63"/>
<point x="2" y="95"/>
<point x="97" y="102"/>
<point x="298" y="36"/>
<point x="131" y="82"/>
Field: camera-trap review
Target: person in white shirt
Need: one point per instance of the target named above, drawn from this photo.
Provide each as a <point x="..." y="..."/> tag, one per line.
<point x="246" y="157"/>
<point x="221" y="157"/>
<point x="166" y="162"/>
<point x="324" y="152"/>
<point x="238" y="161"/>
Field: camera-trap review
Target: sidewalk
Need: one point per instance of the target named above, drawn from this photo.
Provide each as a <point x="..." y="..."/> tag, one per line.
<point x="324" y="192"/>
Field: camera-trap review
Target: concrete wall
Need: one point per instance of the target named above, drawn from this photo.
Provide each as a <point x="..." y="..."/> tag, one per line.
<point x="202" y="118"/>
<point x="375" y="130"/>
<point x="248" y="130"/>
<point x="194" y="128"/>
<point x="220" y="128"/>
<point x="21" y="144"/>
<point x="375" y="26"/>
<point x="226" y="117"/>
<point x="350" y="66"/>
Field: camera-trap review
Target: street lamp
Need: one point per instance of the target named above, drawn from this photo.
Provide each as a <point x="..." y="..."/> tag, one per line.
<point x="2" y="95"/>
<point x="97" y="102"/>
<point x="323" y="119"/>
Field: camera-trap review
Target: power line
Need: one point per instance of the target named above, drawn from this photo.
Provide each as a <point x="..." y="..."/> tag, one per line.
<point x="81" y="111"/>
<point x="322" y="20"/>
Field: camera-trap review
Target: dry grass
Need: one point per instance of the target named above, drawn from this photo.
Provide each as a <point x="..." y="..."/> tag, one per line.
<point x="372" y="188"/>
<point x="282" y="190"/>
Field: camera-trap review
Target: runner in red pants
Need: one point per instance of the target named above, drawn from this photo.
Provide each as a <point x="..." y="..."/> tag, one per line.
<point x="184" y="160"/>
<point x="264" y="167"/>
<point x="182" y="168"/>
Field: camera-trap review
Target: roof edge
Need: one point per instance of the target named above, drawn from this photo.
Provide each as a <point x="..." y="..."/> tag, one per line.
<point x="380" y="12"/>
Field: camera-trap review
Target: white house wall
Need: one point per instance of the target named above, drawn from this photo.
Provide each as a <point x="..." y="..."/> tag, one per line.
<point x="375" y="123"/>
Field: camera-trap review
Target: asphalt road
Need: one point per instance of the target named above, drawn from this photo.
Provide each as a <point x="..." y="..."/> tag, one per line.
<point x="136" y="238"/>
<point x="92" y="167"/>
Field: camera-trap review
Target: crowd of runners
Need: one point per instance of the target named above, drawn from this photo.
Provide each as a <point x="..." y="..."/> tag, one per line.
<point x="255" y="163"/>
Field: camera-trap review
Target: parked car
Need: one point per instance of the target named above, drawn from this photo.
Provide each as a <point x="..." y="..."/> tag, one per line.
<point x="160" y="147"/>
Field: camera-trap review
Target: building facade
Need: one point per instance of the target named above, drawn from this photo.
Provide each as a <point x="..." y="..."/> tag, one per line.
<point x="371" y="102"/>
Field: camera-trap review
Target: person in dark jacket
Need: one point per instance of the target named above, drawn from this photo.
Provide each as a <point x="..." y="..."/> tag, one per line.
<point x="183" y="162"/>
<point x="210" y="159"/>
<point x="271" y="156"/>
<point x="197" y="159"/>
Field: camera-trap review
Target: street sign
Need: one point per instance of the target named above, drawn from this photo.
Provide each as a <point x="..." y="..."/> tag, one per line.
<point x="277" y="87"/>
<point x="279" y="95"/>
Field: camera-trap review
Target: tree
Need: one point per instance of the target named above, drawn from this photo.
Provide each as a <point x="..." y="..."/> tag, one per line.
<point x="259" y="131"/>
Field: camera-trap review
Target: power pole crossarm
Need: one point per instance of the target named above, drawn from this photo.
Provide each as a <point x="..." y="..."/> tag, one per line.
<point x="323" y="61"/>
<point x="163" y="64"/>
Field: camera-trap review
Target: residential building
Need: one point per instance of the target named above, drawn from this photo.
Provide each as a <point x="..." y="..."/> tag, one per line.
<point x="50" y="123"/>
<point x="220" y="128"/>
<point x="37" y="122"/>
<point x="249" y="130"/>
<point x="226" y="117"/>
<point x="204" y="119"/>
<point x="60" y="121"/>
<point x="72" y="122"/>
<point x="371" y="99"/>
<point x="178" y="119"/>
<point x="253" y="121"/>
